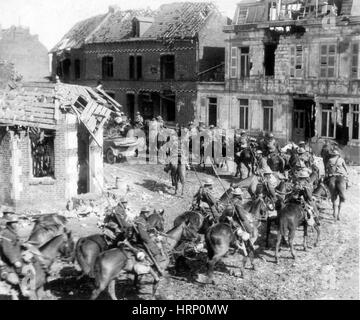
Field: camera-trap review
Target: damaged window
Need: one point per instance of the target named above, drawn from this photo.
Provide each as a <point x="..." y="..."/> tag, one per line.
<point x="355" y="122"/>
<point x="328" y="61"/>
<point x="355" y="61"/>
<point x="296" y="61"/>
<point x="327" y="120"/>
<point x="107" y="67"/>
<point x="268" y="106"/>
<point x="42" y="153"/>
<point x="243" y="13"/>
<point x="167" y="66"/>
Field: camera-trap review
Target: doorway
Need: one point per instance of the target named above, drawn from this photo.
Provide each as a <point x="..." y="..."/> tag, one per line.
<point x="130" y="105"/>
<point x="303" y="119"/>
<point x="83" y="160"/>
<point x="212" y="112"/>
<point x="269" y="62"/>
<point x="342" y="129"/>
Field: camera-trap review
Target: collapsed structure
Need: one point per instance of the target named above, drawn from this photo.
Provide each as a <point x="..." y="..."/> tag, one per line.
<point x="50" y="142"/>
<point x="292" y="68"/>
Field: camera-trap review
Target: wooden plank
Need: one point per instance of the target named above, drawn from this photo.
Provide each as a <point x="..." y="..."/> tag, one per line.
<point x="91" y="124"/>
<point x="90" y="108"/>
<point x="28" y="124"/>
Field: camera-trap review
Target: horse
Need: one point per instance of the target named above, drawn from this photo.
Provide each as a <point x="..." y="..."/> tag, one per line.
<point x="46" y="227"/>
<point x="88" y="248"/>
<point x="337" y="186"/>
<point x="276" y="162"/>
<point x="221" y="236"/>
<point x="246" y="157"/>
<point x="62" y="244"/>
<point x="111" y="263"/>
<point x="177" y="173"/>
<point x="290" y="216"/>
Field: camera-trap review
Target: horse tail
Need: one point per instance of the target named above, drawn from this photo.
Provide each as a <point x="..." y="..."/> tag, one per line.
<point x="80" y="257"/>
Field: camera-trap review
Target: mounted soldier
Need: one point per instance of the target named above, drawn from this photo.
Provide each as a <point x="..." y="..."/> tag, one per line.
<point x="336" y="166"/>
<point x="269" y="183"/>
<point x="305" y="156"/>
<point x="261" y="161"/>
<point x="10" y="249"/>
<point x="143" y="233"/>
<point x="116" y="223"/>
<point x="205" y="195"/>
<point x="139" y="120"/>
<point x="240" y="219"/>
<point x="271" y="144"/>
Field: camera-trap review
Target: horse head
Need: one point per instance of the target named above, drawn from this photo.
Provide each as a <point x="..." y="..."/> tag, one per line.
<point x="156" y="220"/>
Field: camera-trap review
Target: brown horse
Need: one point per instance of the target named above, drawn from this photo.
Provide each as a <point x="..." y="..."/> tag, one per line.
<point x="246" y="157"/>
<point x="178" y="174"/>
<point x="88" y="248"/>
<point x="291" y="215"/>
<point x="111" y="263"/>
<point x="62" y="244"/>
<point x="337" y="187"/>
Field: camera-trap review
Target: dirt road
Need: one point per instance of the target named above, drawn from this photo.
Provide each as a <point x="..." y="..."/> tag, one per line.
<point x="329" y="271"/>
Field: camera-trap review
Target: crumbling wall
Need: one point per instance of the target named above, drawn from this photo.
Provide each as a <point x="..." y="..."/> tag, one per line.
<point x="5" y="172"/>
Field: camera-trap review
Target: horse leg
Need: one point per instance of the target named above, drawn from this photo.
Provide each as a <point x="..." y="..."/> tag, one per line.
<point x="291" y="242"/>
<point x="252" y="259"/>
<point x="268" y="230"/>
<point x="247" y="165"/>
<point x="317" y="228"/>
<point x="156" y="281"/>
<point x="339" y="208"/>
<point x="277" y="247"/>
<point x="334" y="209"/>
<point x="111" y="290"/>
<point x="305" y="236"/>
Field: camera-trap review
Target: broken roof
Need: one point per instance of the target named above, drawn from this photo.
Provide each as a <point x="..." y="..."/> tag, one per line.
<point x="8" y="74"/>
<point x="118" y="26"/>
<point x="39" y="104"/>
<point x="180" y="20"/>
<point x="77" y="35"/>
<point x="174" y="20"/>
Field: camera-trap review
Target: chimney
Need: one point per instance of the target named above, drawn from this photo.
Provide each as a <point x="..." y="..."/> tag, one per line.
<point x="114" y="8"/>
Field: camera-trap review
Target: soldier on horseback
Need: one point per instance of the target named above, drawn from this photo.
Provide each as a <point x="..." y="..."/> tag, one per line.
<point x="10" y="249"/>
<point x="336" y="166"/>
<point x="139" y="120"/>
<point x="305" y="157"/>
<point x="261" y="161"/>
<point x="205" y="195"/>
<point x="269" y="144"/>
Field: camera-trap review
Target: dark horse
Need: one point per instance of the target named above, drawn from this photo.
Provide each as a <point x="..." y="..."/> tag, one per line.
<point x="291" y="215"/>
<point x="246" y="157"/>
<point x="111" y="263"/>
<point x="276" y="162"/>
<point x="337" y="187"/>
<point x="177" y="173"/>
<point x="62" y="244"/>
<point x="88" y="248"/>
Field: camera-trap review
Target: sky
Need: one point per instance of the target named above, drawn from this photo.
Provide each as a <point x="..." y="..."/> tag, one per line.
<point x="51" y="19"/>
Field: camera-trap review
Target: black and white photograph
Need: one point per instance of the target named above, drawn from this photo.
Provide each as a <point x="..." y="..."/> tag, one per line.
<point x="206" y="151"/>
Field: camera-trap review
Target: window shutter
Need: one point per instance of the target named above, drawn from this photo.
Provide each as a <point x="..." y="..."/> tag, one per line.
<point x="233" y="62"/>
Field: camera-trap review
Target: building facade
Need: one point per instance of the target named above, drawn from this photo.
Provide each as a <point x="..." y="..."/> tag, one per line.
<point x="149" y="61"/>
<point x="292" y="68"/>
<point x="29" y="56"/>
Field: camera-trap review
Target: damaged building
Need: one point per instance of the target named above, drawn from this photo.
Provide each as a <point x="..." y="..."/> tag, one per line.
<point x="149" y="61"/>
<point x="292" y="68"/>
<point x="50" y="143"/>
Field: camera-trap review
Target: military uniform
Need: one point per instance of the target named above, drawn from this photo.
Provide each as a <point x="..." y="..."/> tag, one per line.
<point x="204" y="195"/>
<point x="143" y="233"/>
<point x="306" y="157"/>
<point x="336" y="166"/>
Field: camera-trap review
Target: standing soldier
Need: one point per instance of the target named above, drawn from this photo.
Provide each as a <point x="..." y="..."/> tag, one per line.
<point x="139" y="120"/>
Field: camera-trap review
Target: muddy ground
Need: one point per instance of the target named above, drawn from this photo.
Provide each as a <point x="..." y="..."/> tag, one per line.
<point x="329" y="271"/>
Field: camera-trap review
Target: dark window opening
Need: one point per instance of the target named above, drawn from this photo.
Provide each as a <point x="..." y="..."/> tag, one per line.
<point x="342" y="130"/>
<point x="43" y="154"/>
<point x="107" y="67"/>
<point x="167" y="66"/>
<point x="130" y="104"/>
<point x="270" y="59"/>
<point x="212" y="112"/>
<point x="131" y="67"/>
<point x="77" y="69"/>
<point x="80" y="103"/>
<point x="66" y="68"/>
<point x="169" y="108"/>
<point x="111" y="94"/>
<point x="327" y="120"/>
<point x="138" y="67"/>
<point x="244" y="114"/>
<point x="355" y="122"/>
<point x="136" y="28"/>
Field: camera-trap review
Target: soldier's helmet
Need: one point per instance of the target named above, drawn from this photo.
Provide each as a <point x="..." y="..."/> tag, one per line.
<point x="303" y="174"/>
<point x="242" y="132"/>
<point x="335" y="153"/>
<point x="145" y="210"/>
<point x="259" y="152"/>
<point x="208" y="182"/>
<point x="301" y="151"/>
<point x="237" y="192"/>
<point x="301" y="143"/>
<point x="267" y="170"/>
